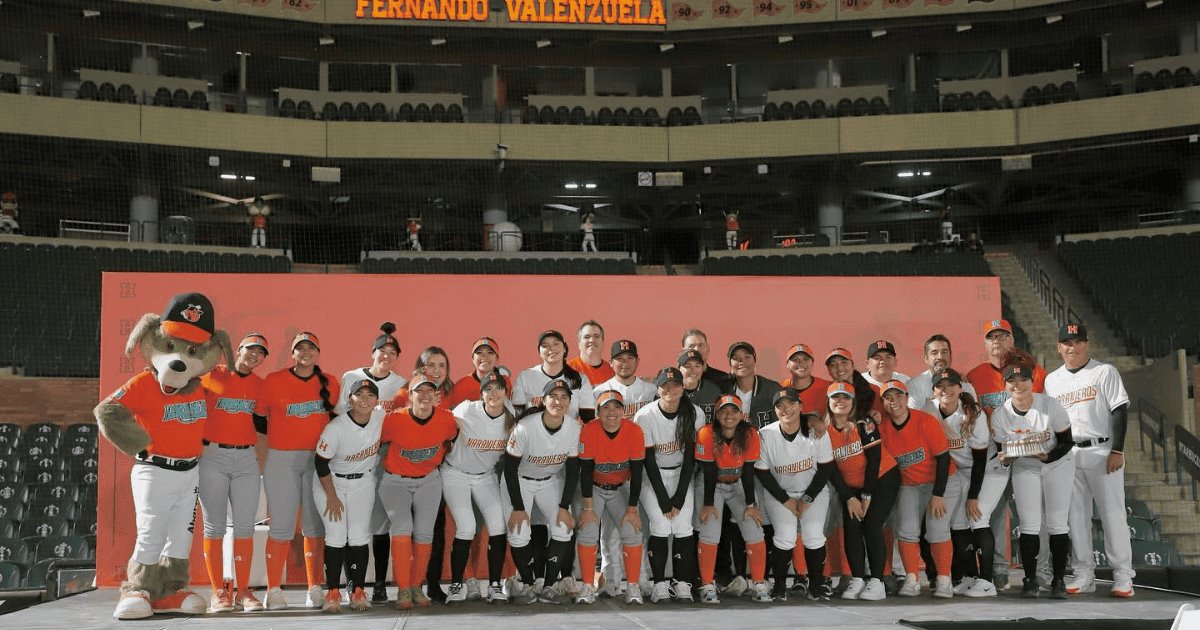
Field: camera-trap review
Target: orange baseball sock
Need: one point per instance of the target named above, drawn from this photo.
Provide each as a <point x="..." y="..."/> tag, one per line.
<point x="836" y="553"/>
<point x="214" y="562"/>
<point x="633" y="563"/>
<point x="756" y="557"/>
<point x="402" y="560"/>
<point x="708" y="562"/>
<point x="243" y="555"/>
<point x="314" y="560"/>
<point x="910" y="554"/>
<point x="420" y="562"/>
<point x="277" y="555"/>
<point x="799" y="563"/>
<point x="943" y="556"/>
<point x="587" y="562"/>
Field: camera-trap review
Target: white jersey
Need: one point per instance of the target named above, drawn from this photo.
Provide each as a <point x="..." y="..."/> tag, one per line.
<point x="543" y="453"/>
<point x="637" y="395"/>
<point x="920" y="390"/>
<point x="659" y="432"/>
<point x="896" y="376"/>
<point x="350" y="448"/>
<point x="1089" y="395"/>
<point x="531" y="381"/>
<point x="1045" y="418"/>
<point x="389" y="386"/>
<point x="481" y="439"/>
<point x="792" y="462"/>
<point x="963" y="439"/>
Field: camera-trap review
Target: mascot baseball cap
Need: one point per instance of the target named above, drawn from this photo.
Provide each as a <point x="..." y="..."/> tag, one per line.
<point x="493" y="377"/>
<point x="890" y="385"/>
<point x="1017" y="370"/>
<point x="947" y="375"/>
<point x="996" y="324"/>
<point x="254" y="339"/>
<point x="667" y="375"/>
<point x="839" y="352"/>
<point x="557" y="383"/>
<point x="785" y="393"/>
<point x="729" y="399"/>
<point x="838" y="387"/>
<point x="741" y="345"/>
<point x="386" y="339"/>
<point x="799" y="349"/>
<point x="487" y="342"/>
<point x="691" y="355"/>
<point x="306" y="336"/>
<point x="1073" y="332"/>
<point x="364" y="382"/>
<point x="609" y="395"/>
<point x="882" y="345"/>
<point x="623" y="346"/>
<point x="189" y="316"/>
<point x="551" y="333"/>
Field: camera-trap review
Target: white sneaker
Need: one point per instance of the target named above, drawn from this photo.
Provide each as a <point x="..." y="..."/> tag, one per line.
<point x="1123" y="588"/>
<point x="963" y="586"/>
<point x="538" y="585"/>
<point x="981" y="588"/>
<point x="660" y="593"/>
<point x="1044" y="579"/>
<point x="612" y="588"/>
<point x="475" y="589"/>
<point x="133" y="605"/>
<point x="873" y="591"/>
<point x="737" y="587"/>
<point x="587" y="595"/>
<point x="708" y="594"/>
<point x="683" y="592"/>
<point x="569" y="586"/>
<point x="275" y="599"/>
<point x="1082" y="584"/>
<point x="456" y="592"/>
<point x="761" y="593"/>
<point x="316" y="597"/>
<point x="854" y="588"/>
<point x="633" y="596"/>
<point x="495" y="594"/>
<point x="944" y="588"/>
<point x="911" y="586"/>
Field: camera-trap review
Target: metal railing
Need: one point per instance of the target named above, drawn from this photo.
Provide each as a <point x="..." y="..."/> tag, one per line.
<point x="1052" y="299"/>
<point x="1152" y="423"/>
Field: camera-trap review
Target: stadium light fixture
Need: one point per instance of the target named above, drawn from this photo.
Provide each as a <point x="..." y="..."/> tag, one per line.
<point x="590" y="186"/>
<point x="437" y="41"/>
<point x="783" y="39"/>
<point x="905" y="174"/>
<point x="879" y="32"/>
<point x="666" y="47"/>
<point x="325" y="40"/>
<point x="194" y="24"/>
<point x="963" y="28"/>
<point x="542" y="43"/>
<point x="90" y="13"/>
<point x="249" y="178"/>
<point x="1150" y="4"/>
<point x="228" y="176"/>
<point x="1053" y="19"/>
<point x="570" y="185"/>
<point x="926" y="173"/>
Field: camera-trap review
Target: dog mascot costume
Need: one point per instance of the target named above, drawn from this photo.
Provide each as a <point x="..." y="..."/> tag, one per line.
<point x="157" y="418"/>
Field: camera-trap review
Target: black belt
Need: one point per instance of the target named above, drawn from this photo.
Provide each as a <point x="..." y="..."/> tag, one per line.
<point x="168" y="463"/>
<point x="670" y="467"/>
<point x="1090" y="443"/>
<point x="537" y="478"/>
<point x="412" y="477"/>
<point x="608" y="486"/>
<point x="730" y="483"/>
<point x="351" y="475"/>
<point x="233" y="446"/>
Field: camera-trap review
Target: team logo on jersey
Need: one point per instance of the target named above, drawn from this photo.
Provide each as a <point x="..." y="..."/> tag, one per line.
<point x="729" y="473"/>
<point x="418" y="455"/>
<point x="185" y="412"/>
<point x="323" y="446"/>
<point x="546" y="460"/>
<point x="305" y="409"/>
<point x="700" y="450"/>
<point x="795" y="467"/>
<point x="848" y="450"/>
<point x="994" y="399"/>
<point x="1078" y="396"/>
<point x="118" y="395"/>
<point x="370" y="451"/>
<point x="236" y="405"/>
<point x="611" y="467"/>
<point x="956" y="443"/>
<point x="908" y="459"/>
<point x="481" y="444"/>
<point x="666" y="448"/>
<point x="192" y="313"/>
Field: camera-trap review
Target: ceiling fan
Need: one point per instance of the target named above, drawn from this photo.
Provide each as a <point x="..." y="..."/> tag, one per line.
<point x="225" y="201"/>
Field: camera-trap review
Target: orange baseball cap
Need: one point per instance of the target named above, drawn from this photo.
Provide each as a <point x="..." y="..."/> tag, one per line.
<point x="997" y="324"/>
<point x="800" y="347"/>
<point x="839" y="387"/>
<point x="729" y="399"/>
<point x="890" y="385"/>
<point x="486" y="342"/>
<point x="839" y="352"/>
<point x="306" y="336"/>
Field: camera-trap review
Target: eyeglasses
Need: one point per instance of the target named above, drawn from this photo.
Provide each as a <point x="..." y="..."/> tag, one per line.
<point x="997" y="336"/>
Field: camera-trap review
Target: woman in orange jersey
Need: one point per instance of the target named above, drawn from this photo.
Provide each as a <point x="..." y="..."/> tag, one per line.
<point x="411" y="489"/>
<point x="293" y="408"/>
<point x="868" y="482"/>
<point x="918" y="443"/>
<point x="800" y="366"/>
<point x="726" y="451"/>
<point x="840" y="364"/>
<point x="229" y="474"/>
<point x="485" y="357"/>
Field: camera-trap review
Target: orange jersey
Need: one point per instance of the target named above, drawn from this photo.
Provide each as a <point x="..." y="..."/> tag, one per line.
<point x="849" y="451"/>
<point x="614" y="455"/>
<point x="729" y="463"/>
<point x="731" y="223"/>
<point x="813" y="398"/>
<point x="988" y="382"/>
<point x="595" y="375"/>
<point x="294" y="409"/>
<point x="231" y="401"/>
<point x="260" y="221"/>
<point x="175" y="422"/>
<point x="441" y="399"/>
<point x="914" y="445"/>
<point x="416" y="447"/>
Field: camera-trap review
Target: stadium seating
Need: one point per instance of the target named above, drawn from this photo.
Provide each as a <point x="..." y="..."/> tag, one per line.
<point x="797" y="263"/>
<point x="9" y="84"/>
<point x="450" y="265"/>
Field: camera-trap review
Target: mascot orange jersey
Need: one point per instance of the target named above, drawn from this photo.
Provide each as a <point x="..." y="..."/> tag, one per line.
<point x="175" y="422"/>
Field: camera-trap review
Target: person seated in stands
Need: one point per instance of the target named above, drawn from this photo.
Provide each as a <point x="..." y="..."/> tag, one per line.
<point x="9" y="213"/>
<point x="973" y="243"/>
<point x="924" y="247"/>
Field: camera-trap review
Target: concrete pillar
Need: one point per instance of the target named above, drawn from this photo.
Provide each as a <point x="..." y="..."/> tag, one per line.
<point x="242" y="72"/>
<point x="733" y="91"/>
<point x="830" y="214"/>
<point x="911" y="72"/>
<point x="323" y="76"/>
<point x="392" y="84"/>
<point x="1004" y="62"/>
<point x="143" y="218"/>
<point x="1104" y="60"/>
<point x="50" y="53"/>
<point x="666" y="82"/>
<point x="589" y="81"/>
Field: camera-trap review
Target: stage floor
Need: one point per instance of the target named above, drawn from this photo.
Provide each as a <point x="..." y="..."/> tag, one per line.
<point x="94" y="610"/>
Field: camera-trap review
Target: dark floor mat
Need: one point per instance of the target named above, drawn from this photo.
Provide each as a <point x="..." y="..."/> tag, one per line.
<point x="1029" y="623"/>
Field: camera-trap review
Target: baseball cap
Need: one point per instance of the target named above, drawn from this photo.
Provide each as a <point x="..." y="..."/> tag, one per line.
<point x="1072" y="332"/>
<point x="839" y="352"/>
<point x="492" y="377"/>
<point x="306" y="336"/>
<point x="1017" y="370"/>
<point x="798" y="348"/>
<point x="729" y="399"/>
<point x="189" y="316"/>
<point x="557" y="383"/>
<point x="609" y="395"/>
<point x="386" y="339"/>
<point x="623" y="346"/>
<point x="882" y="345"/>
<point x="996" y="324"/>
<point x="690" y="355"/>
<point x="419" y="380"/>
<point x="364" y="382"/>
<point x="487" y="342"/>
<point x="667" y="375"/>
<point x="551" y="333"/>
<point x="893" y="384"/>
<point x="254" y="339"/>
<point x="839" y="387"/>
<point x="785" y="393"/>
<point x="741" y="345"/>
<point x="947" y="374"/>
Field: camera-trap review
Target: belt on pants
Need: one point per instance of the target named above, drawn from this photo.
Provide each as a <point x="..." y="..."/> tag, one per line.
<point x="351" y="475"/>
<point x="608" y="486"/>
<point x="730" y="483"/>
<point x="1090" y="443"/>
<point x="670" y="467"/>
<point x="537" y="478"/>
<point x="233" y="446"/>
<point x="413" y="476"/>
<point x="168" y="463"/>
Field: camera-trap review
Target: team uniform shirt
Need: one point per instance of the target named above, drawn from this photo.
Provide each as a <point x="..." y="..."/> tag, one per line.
<point x="989" y="382"/>
<point x="614" y="454"/>
<point x="729" y="464"/>
<point x="594" y="374"/>
<point x="963" y="437"/>
<point x="467" y="389"/>
<point x="915" y="445"/>
<point x="231" y="400"/>
<point x="896" y="376"/>
<point x="175" y="422"/>
<point x="416" y="448"/>
<point x="351" y="449"/>
<point x="812" y="398"/>
<point x="481" y="439"/>
<point x="758" y="403"/>
<point x="542" y="453"/>
<point x="849" y="450"/>
<point x="659" y="432"/>
<point x="792" y="462"/>
<point x="1044" y="418"/>
<point x="920" y="390"/>
<point x="389" y="386"/>
<point x="705" y="396"/>
<point x="295" y="412"/>
<point x="1090" y="395"/>
<point x="636" y="395"/>
<point x="531" y="381"/>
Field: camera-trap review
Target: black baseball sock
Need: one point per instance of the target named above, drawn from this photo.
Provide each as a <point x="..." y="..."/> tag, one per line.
<point x="780" y="560"/>
<point x="656" y="552"/>
<point x="1029" y="554"/>
<point x="523" y="558"/>
<point x="495" y="552"/>
<point x="683" y="562"/>
<point x="381" y="548"/>
<point x="460" y="551"/>
<point x="556" y="556"/>
<point x="333" y="566"/>
<point x="356" y="564"/>
<point x="985" y="548"/>
<point x="1060" y="549"/>
<point x="539" y="537"/>
<point x="815" y="558"/>
<point x="567" y="561"/>
<point x="963" y="564"/>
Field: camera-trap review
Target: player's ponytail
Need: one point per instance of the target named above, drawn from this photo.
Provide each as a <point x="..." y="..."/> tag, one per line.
<point x="970" y="410"/>
<point x="1017" y="356"/>
<point x="388" y="328"/>
<point x="324" y="380"/>
<point x="864" y="397"/>
<point x="685" y="424"/>
<point x="573" y="377"/>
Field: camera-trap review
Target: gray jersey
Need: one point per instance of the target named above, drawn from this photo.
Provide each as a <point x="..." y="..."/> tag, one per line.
<point x="543" y="453"/>
<point x="531" y="381"/>
<point x="637" y="395"/>
<point x="350" y="448"/>
<point x="659" y="432"/>
<point x="389" y="386"/>
<point x="481" y="439"/>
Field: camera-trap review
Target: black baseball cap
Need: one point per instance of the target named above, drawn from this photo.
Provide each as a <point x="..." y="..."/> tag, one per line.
<point x="1072" y="332"/>
<point x="741" y="345"/>
<point x="623" y="346"/>
<point x="691" y="355"/>
<point x="557" y="383"/>
<point x="785" y="393"/>
<point x="189" y="316"/>
<point x="551" y="333"/>
<point x="492" y="377"/>
<point x="364" y="382"/>
<point x="947" y="374"/>
<point x="386" y="339"/>
<point x="667" y="375"/>
<point x="1017" y="370"/>
<point x="882" y="345"/>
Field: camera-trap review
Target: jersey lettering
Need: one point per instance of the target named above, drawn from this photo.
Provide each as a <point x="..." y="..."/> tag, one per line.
<point x="370" y="451"/>
<point x="1077" y="396"/>
<point x="666" y="448"/>
<point x="236" y="405"/>
<point x="305" y="409"/>
<point x="185" y="412"/>
<point x="480" y="444"/>
<point x="546" y="460"/>
<point x="795" y="467"/>
<point x="956" y="443"/>
<point x="848" y="450"/>
<point x="908" y="459"/>
<point x="418" y="455"/>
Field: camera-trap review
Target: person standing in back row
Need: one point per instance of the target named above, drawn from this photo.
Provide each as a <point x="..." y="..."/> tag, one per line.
<point x="695" y="339"/>
<point x="1095" y="399"/>
<point x="590" y="361"/>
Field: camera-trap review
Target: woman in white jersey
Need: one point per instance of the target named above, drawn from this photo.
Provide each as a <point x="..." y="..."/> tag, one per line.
<point x="344" y="491"/>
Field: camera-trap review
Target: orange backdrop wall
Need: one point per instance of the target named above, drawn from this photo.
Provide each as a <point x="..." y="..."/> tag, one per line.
<point x="452" y="311"/>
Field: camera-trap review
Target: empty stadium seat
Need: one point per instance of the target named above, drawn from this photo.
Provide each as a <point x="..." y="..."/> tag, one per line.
<point x="819" y="109"/>
<point x="59" y="547"/>
<point x="14" y="551"/>
<point x="125" y="94"/>
<point x="578" y="115"/>
<point x="1068" y="92"/>
<point x="405" y="112"/>
<point x="304" y="110"/>
<point x="1144" y="82"/>
<point x="879" y="106"/>
<point x="562" y="115"/>
<point x="379" y="112"/>
<point x="786" y="110"/>
<point x="1147" y="553"/>
<point x="362" y="112"/>
<point x="985" y="101"/>
<point x="651" y="117"/>
<point x="845" y="107"/>
<point x="287" y="108"/>
<point x="10" y="431"/>
<point x="181" y="98"/>
<point x="635" y="116"/>
<point x="1142" y="529"/>
<point x="421" y="113"/>
<point x="530" y="115"/>
<point x="770" y="111"/>
<point x="620" y="116"/>
<point x="1164" y="79"/>
<point x="9" y="84"/>
<point x="107" y="93"/>
<point x="862" y="107"/>
<point x="1184" y="77"/>
<point x="10" y="576"/>
<point x="1050" y="93"/>
<point x="546" y="115"/>
<point x="329" y="111"/>
<point x="38" y="575"/>
<point x="346" y="111"/>
<point x="691" y="116"/>
<point x="199" y="100"/>
<point x="1032" y="96"/>
<point x="454" y="113"/>
<point x="803" y="110"/>
<point x="950" y="103"/>
<point x="88" y="91"/>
